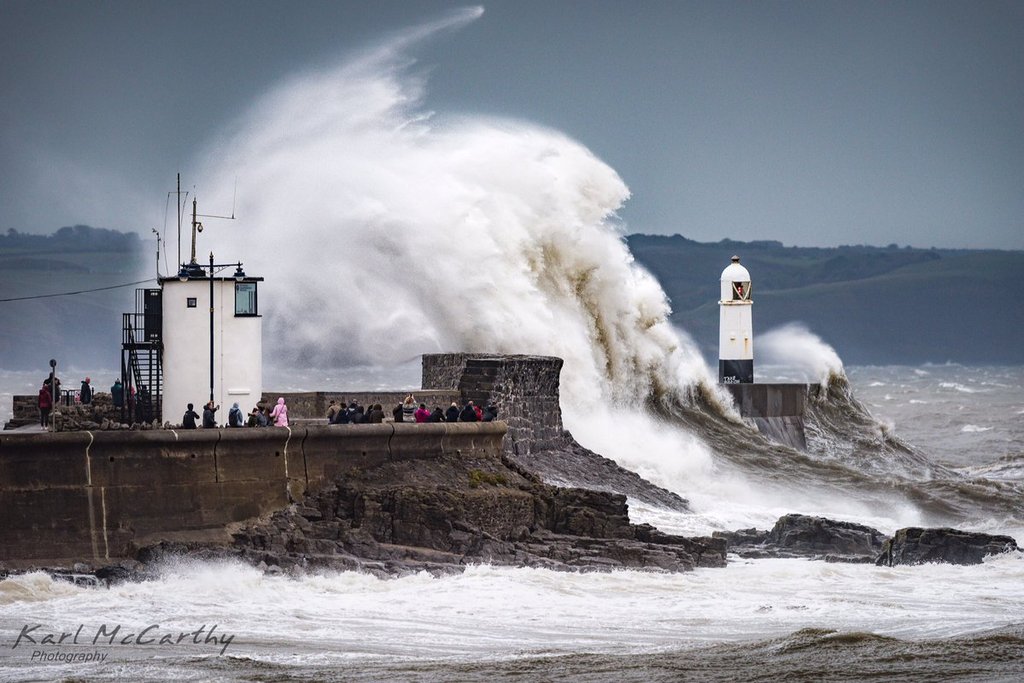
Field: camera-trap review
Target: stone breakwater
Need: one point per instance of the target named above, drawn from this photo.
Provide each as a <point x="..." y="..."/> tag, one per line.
<point x="386" y="498"/>
<point x="446" y="513"/>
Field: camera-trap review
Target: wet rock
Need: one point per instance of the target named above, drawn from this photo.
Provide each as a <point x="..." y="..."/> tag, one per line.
<point x="115" y="574"/>
<point x="810" y="537"/>
<point x="915" y="545"/>
<point x="438" y="517"/>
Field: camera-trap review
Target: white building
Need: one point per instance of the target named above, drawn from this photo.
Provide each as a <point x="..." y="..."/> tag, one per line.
<point x="212" y="340"/>
<point x="735" y="328"/>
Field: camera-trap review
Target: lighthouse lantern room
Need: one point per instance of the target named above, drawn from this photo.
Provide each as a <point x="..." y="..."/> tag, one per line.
<point x="735" y="332"/>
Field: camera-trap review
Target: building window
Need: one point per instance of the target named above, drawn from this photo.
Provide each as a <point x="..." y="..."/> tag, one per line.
<point x="191" y="302"/>
<point x="245" y="298"/>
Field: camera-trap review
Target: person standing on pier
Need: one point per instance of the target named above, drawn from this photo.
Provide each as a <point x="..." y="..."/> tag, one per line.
<point x="45" y="404"/>
<point x="209" y="415"/>
<point x="279" y="416"/>
<point x="188" y="420"/>
<point x="85" y="394"/>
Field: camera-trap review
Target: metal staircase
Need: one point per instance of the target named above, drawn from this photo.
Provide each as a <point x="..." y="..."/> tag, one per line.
<point x="141" y="354"/>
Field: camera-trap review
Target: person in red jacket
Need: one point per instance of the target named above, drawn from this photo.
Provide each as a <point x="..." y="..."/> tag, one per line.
<point x="45" y="403"/>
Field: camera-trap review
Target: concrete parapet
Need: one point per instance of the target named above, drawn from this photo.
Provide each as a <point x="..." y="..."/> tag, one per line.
<point x="330" y="450"/>
<point x="85" y="496"/>
<point x="23" y="465"/>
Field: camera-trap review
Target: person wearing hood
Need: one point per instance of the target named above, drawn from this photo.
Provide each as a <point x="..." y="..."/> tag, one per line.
<point x="279" y="416"/>
<point x="117" y="394"/>
<point x="85" y="394"/>
<point x="452" y="414"/>
<point x="468" y="413"/>
<point x="235" y="417"/>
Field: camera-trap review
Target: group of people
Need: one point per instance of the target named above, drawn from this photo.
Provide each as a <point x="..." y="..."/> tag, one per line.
<point x="339" y="414"/>
<point x="409" y="411"/>
<point x="261" y="416"/>
<point x="50" y="396"/>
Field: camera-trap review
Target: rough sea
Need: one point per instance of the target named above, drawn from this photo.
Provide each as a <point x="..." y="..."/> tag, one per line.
<point x="386" y="229"/>
<point x="768" y="620"/>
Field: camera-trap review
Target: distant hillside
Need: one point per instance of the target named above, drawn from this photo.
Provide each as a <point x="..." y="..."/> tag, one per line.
<point x="874" y="305"/>
<point x="80" y="330"/>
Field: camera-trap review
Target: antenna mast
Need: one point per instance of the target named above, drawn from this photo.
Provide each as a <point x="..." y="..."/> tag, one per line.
<point x="178" y="202"/>
<point x="157" y="233"/>
<point x="196" y="227"/>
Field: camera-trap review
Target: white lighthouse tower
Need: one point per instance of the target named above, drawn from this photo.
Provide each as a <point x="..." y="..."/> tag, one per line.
<point x="735" y="330"/>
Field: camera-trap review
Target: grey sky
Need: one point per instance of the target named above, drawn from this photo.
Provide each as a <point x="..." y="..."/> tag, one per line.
<point x="813" y="123"/>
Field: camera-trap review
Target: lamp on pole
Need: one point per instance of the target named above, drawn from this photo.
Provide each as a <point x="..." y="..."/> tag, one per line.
<point x="211" y="325"/>
<point x="53" y="388"/>
<point x="239" y="276"/>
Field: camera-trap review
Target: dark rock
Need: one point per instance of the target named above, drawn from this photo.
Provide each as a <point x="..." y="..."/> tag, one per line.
<point x="805" y="536"/>
<point x="437" y="517"/>
<point x="114" y="574"/>
<point x="818" y="535"/>
<point x="915" y="545"/>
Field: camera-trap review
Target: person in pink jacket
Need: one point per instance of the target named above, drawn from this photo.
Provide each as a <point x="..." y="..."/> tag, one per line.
<point x="279" y="416"/>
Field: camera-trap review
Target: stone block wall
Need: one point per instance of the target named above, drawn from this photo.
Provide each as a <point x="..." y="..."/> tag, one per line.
<point x="524" y="388"/>
<point x="67" y="417"/>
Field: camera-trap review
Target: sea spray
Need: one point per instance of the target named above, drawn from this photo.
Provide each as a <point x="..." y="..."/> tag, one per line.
<point x="386" y="231"/>
<point x="799" y="350"/>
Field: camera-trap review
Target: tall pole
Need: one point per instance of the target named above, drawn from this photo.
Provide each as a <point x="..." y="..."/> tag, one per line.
<point x="211" y="325"/>
<point x="53" y="390"/>
<point x="178" y="202"/>
<point x="195" y="227"/>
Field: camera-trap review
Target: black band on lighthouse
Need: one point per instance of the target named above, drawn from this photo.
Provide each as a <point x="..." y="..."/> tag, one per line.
<point x="736" y="371"/>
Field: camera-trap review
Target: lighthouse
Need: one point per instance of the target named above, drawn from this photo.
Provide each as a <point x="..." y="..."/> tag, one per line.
<point x="735" y="328"/>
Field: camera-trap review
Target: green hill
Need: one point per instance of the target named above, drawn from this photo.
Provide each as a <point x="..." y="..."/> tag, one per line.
<point x="874" y="305"/>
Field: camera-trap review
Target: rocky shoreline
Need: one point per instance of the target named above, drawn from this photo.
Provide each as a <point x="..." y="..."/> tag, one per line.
<point x="442" y="515"/>
<point x="441" y="510"/>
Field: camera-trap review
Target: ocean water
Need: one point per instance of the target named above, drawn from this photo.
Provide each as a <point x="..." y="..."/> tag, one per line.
<point x="755" y="619"/>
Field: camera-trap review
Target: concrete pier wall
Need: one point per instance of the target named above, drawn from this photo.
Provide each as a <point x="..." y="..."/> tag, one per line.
<point x="776" y="409"/>
<point x="93" y="496"/>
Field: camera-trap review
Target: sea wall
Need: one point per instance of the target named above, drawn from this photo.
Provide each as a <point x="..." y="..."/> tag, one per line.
<point x="95" y="496"/>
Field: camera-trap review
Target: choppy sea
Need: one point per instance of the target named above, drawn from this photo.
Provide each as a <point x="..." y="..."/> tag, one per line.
<point x="759" y="620"/>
